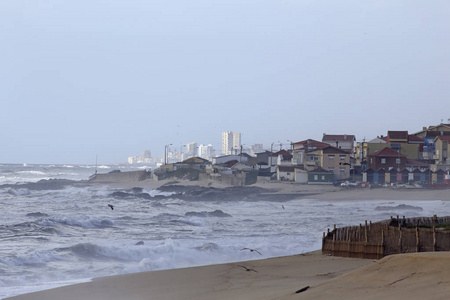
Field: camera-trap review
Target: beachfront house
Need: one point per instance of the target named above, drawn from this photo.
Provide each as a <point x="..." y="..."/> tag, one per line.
<point x="332" y="159"/>
<point x="387" y="158"/>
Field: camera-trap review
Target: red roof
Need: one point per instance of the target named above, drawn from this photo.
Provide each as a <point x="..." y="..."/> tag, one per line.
<point x="444" y="138"/>
<point x="284" y="153"/>
<point x="415" y="138"/>
<point x="386" y="152"/>
<point x="398" y="135"/>
<point x="311" y="143"/>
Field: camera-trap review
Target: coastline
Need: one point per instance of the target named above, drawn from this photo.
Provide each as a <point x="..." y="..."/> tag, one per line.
<point x="307" y="276"/>
<point x="279" y="277"/>
<point x="295" y="190"/>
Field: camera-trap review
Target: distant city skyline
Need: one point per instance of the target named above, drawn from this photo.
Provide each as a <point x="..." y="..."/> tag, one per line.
<point x="86" y="79"/>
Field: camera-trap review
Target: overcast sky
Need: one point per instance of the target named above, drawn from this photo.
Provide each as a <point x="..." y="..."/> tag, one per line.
<point x="113" y="78"/>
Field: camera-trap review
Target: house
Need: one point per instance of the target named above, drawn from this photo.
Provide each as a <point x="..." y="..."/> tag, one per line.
<point x="442" y="152"/>
<point x="400" y="141"/>
<point x="320" y="176"/>
<point x="285" y="173"/>
<point x="433" y="131"/>
<point x="198" y="163"/>
<point x="299" y="149"/>
<point x="282" y="157"/>
<point x="387" y="158"/>
<point x="332" y="159"/>
<point x="342" y="141"/>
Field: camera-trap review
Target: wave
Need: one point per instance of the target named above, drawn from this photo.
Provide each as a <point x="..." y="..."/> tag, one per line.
<point x="203" y="214"/>
<point x="86" y="222"/>
<point x="399" y="207"/>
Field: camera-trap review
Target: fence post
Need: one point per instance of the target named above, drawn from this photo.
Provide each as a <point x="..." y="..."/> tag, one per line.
<point x="400" y="241"/>
<point x="434" y="238"/>
<point x="382" y="243"/>
<point x="417" y="239"/>
<point x="365" y="231"/>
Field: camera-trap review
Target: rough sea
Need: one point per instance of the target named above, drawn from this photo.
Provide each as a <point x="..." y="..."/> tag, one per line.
<point x="53" y="234"/>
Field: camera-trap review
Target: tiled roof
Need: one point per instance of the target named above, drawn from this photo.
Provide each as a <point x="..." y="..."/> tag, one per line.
<point x="444" y="138"/>
<point x="414" y="138"/>
<point x="311" y="142"/>
<point x="398" y="135"/>
<point x="386" y="152"/>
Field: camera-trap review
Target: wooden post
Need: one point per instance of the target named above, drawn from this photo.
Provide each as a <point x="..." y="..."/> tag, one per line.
<point x="400" y="241"/>
<point x="382" y="243"/>
<point x="434" y="238"/>
<point x="417" y="239"/>
<point x="365" y="231"/>
<point x="359" y="233"/>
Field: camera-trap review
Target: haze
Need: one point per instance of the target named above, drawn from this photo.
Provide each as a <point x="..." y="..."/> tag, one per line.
<point x="113" y="78"/>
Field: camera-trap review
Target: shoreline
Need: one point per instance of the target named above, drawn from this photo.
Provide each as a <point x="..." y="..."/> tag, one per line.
<point x="311" y="275"/>
<point x="276" y="277"/>
<point x="267" y="278"/>
<point x="294" y="190"/>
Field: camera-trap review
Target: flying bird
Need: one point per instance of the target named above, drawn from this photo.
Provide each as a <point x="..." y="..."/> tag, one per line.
<point x="251" y="250"/>
<point x="247" y="269"/>
<point x="112" y="207"/>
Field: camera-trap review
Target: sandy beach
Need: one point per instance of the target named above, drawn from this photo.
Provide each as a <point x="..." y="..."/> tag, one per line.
<point x="404" y="276"/>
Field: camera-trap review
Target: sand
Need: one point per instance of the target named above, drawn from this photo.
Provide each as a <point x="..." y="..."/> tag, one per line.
<point x="402" y="276"/>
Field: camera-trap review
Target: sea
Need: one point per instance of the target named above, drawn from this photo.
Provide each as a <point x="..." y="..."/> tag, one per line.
<point x="55" y="234"/>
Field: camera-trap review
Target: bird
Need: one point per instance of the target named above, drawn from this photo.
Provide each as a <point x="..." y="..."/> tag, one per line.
<point x="282" y="206"/>
<point x="251" y="250"/>
<point x="247" y="269"/>
<point x="112" y="207"/>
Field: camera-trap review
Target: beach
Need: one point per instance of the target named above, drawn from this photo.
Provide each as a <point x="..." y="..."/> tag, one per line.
<point x="312" y="275"/>
<point x="307" y="276"/>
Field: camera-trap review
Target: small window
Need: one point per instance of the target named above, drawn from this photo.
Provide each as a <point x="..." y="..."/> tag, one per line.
<point x="331" y="157"/>
<point x="331" y="169"/>
<point x="323" y="177"/>
<point x="397" y="160"/>
<point x="342" y="170"/>
<point x="342" y="157"/>
<point x="383" y="160"/>
<point x="316" y="177"/>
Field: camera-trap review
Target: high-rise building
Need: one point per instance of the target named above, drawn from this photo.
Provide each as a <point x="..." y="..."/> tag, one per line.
<point x="231" y="142"/>
<point x="191" y="149"/>
<point x="206" y="151"/>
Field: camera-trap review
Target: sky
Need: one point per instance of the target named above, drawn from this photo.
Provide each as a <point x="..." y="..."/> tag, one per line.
<point x="109" y="79"/>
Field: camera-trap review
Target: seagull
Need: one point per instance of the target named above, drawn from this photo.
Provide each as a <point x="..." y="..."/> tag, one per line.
<point x="252" y="250"/>
<point x="282" y="206"/>
<point x="112" y="207"/>
<point x="248" y="269"/>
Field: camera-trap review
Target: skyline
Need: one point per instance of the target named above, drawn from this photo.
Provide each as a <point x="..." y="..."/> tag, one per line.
<point x="111" y="79"/>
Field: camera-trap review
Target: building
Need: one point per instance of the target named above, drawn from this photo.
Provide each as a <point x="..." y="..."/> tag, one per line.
<point x="299" y="149"/>
<point x="442" y="152"/>
<point x="342" y="141"/>
<point x="329" y="158"/>
<point x="387" y="159"/>
<point x="206" y="151"/>
<point x="231" y="142"/>
<point x="191" y="149"/>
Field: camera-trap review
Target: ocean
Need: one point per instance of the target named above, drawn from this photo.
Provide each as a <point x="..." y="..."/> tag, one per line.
<point x="54" y="233"/>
